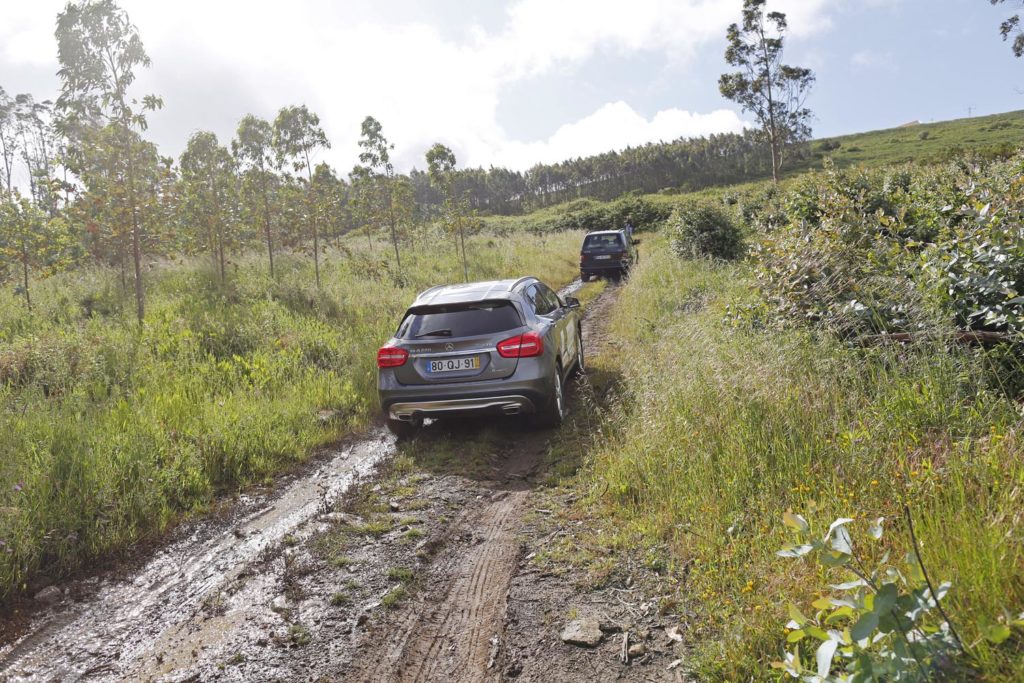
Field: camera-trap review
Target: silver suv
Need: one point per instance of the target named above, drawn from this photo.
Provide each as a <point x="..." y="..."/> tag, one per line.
<point x="504" y="347"/>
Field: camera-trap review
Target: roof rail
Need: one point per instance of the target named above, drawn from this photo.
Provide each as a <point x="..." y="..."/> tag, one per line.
<point x="521" y="281"/>
<point x="428" y="291"/>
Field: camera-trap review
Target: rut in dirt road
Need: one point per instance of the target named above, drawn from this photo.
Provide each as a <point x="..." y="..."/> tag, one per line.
<point x="456" y="631"/>
<point x="456" y="639"/>
<point x="106" y="636"/>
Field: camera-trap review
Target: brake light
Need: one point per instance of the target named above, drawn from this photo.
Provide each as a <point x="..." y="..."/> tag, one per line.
<point x="391" y="357"/>
<point x="523" y="346"/>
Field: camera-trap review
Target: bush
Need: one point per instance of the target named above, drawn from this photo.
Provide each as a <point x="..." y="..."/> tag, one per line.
<point x="641" y="213"/>
<point x="705" y="230"/>
<point x="905" y="249"/>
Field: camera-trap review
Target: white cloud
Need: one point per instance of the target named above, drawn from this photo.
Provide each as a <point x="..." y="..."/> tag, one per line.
<point x="345" y="61"/>
<point x="616" y="126"/>
<point x="871" y="59"/>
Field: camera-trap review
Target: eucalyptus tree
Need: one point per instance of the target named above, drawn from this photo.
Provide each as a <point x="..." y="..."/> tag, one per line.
<point x="764" y="86"/>
<point x="297" y="137"/>
<point x="99" y="50"/>
<point x="441" y="169"/>
<point x="38" y="143"/>
<point x="32" y="240"/>
<point x="8" y="141"/>
<point x="1011" y="27"/>
<point x="362" y="200"/>
<point x="208" y="176"/>
<point x="253" y="148"/>
<point x="376" y="158"/>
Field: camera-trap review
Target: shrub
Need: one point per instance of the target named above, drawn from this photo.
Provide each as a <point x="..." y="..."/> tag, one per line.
<point x="705" y="230"/>
<point x="641" y="213"/>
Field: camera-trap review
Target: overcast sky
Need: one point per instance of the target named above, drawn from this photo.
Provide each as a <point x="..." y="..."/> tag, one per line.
<point x="523" y="81"/>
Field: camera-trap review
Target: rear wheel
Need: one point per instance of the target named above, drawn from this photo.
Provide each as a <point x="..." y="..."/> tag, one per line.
<point x="553" y="412"/>
<point x="403" y="429"/>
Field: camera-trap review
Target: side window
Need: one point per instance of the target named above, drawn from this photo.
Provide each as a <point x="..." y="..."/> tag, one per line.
<point x="540" y="302"/>
<point x="533" y="299"/>
<point x="553" y="302"/>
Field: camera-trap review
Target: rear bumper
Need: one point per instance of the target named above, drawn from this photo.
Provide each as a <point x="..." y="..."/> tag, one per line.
<point x="496" y="405"/>
<point x="610" y="268"/>
<point x="525" y="392"/>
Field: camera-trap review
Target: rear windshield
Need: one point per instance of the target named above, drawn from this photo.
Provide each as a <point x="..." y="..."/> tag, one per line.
<point x="596" y="242"/>
<point x="462" y="320"/>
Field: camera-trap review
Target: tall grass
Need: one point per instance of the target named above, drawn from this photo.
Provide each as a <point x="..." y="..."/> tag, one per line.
<point x="109" y="432"/>
<point x="724" y="428"/>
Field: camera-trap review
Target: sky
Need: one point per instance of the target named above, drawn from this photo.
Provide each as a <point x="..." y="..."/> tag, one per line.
<point x="518" y="82"/>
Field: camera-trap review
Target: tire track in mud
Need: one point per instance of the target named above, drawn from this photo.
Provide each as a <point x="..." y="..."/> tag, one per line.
<point x="106" y="636"/>
<point x="456" y="638"/>
<point x="459" y="637"/>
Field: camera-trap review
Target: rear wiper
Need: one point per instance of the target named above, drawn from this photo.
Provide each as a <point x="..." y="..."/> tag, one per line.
<point x="435" y="333"/>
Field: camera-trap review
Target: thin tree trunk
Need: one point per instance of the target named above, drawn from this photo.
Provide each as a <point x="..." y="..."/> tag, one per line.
<point x="391" y="217"/>
<point x="312" y="215"/>
<point x="465" y="263"/>
<point x="219" y="232"/>
<point x="140" y="296"/>
<point x="24" y="274"/>
<point x="773" y="132"/>
<point x="266" y="221"/>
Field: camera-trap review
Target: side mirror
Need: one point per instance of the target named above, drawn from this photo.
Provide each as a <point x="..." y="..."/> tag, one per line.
<point x="572" y="302"/>
<point x="636" y="242"/>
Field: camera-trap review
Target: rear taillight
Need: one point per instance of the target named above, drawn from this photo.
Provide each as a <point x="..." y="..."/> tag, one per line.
<point x="523" y="346"/>
<point x="391" y="357"/>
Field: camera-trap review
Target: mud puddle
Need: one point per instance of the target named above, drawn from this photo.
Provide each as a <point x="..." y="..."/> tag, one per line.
<point x="105" y="636"/>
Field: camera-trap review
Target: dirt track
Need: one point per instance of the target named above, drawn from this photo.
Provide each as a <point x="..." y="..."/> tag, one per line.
<point x="416" y="573"/>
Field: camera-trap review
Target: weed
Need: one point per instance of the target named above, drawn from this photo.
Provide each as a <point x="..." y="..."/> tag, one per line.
<point x="394" y="597"/>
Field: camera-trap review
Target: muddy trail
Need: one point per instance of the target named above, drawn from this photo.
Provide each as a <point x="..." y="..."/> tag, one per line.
<point x="382" y="562"/>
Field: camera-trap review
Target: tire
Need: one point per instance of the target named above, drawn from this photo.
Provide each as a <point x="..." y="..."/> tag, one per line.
<point x="404" y="430"/>
<point x="553" y="412"/>
<point x="581" y="365"/>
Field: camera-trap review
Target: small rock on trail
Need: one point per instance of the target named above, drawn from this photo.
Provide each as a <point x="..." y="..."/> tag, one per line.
<point x="583" y="632"/>
<point x="50" y="595"/>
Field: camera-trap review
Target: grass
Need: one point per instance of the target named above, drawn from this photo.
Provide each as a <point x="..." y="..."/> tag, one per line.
<point x="113" y="432"/>
<point x="721" y="429"/>
<point x="922" y="142"/>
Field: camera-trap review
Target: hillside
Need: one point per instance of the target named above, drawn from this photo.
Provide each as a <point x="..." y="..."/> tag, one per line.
<point x="920" y="142"/>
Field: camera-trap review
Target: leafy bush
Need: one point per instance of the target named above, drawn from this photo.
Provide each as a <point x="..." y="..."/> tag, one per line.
<point x="899" y="250"/>
<point x="882" y="624"/>
<point x="705" y="230"/>
<point x="641" y="213"/>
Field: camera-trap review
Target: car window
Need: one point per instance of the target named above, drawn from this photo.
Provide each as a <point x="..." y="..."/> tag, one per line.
<point x="542" y="305"/>
<point x="598" y="242"/>
<point x="462" y="320"/>
<point x="551" y="299"/>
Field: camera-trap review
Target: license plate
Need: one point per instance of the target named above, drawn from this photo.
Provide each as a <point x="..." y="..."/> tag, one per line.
<point x="606" y="257"/>
<point x="454" y="364"/>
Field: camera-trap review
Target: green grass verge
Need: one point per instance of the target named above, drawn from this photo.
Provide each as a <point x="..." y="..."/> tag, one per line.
<point x="722" y="429"/>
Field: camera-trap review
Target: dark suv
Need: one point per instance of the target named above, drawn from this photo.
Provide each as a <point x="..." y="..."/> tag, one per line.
<point x="503" y="347"/>
<point x="608" y="253"/>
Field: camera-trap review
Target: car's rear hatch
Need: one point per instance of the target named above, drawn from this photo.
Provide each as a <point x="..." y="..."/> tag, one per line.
<point x="599" y="250"/>
<point x="457" y="342"/>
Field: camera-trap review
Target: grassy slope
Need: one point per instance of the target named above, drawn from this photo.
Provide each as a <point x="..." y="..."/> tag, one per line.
<point x="111" y="433"/>
<point x="904" y="144"/>
<point x="874" y="148"/>
<point x="713" y="446"/>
